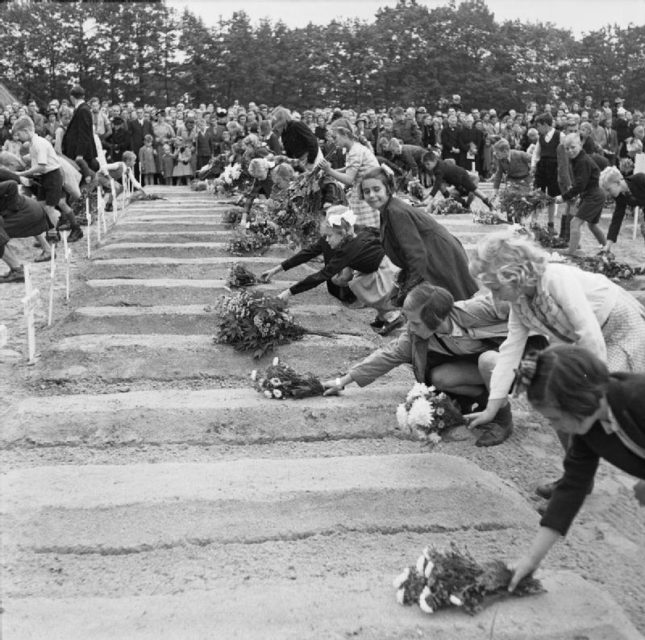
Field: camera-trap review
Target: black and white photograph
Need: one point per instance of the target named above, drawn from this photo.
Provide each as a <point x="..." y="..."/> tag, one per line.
<point x="322" y="320"/>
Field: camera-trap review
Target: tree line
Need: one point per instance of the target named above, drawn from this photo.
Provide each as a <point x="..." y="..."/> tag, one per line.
<point x="408" y="54"/>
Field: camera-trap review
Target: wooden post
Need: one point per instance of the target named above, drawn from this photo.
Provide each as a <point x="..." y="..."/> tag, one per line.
<point x="115" y="204"/>
<point x="67" y="254"/>
<point x="30" y="302"/>
<point x="636" y="216"/>
<point x="89" y="230"/>
<point x="4" y="337"/>
<point x="125" y="193"/>
<point x="52" y="281"/>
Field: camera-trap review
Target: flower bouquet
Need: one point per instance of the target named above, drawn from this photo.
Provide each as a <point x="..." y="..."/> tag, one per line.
<point x="518" y="203"/>
<point x="229" y="180"/>
<point x="548" y="239"/>
<point x="442" y="580"/>
<point x="257" y="236"/>
<point x="427" y="413"/>
<point x="488" y="217"/>
<point x="416" y="190"/>
<point x="280" y="381"/>
<point x="240" y="276"/>
<point x="253" y="322"/>
<point x="606" y="264"/>
<point x="448" y="206"/>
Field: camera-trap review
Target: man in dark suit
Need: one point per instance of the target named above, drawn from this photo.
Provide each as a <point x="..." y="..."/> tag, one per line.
<point x="78" y="139"/>
<point x="139" y="128"/>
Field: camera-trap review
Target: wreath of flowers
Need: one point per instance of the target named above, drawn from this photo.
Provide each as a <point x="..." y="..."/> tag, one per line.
<point x="547" y="238"/>
<point x="607" y="264"/>
<point x="255" y="237"/>
<point x="254" y="322"/>
<point x="488" y="217"/>
<point x="448" y="206"/>
<point x="232" y="215"/>
<point x="280" y="382"/>
<point x="240" y="276"/>
<point x="518" y="203"/>
<point x="427" y="413"/>
<point x="453" y="578"/>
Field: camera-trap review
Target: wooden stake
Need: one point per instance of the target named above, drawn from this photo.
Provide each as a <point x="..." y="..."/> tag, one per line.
<point x="89" y="231"/>
<point x="67" y="254"/>
<point x="30" y="302"/>
<point x="52" y="281"/>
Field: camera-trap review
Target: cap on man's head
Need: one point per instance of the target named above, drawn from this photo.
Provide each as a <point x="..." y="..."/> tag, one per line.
<point x="619" y="100"/>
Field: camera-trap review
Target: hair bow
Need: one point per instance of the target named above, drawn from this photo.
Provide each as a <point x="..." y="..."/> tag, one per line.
<point x="525" y="373"/>
<point x="347" y="218"/>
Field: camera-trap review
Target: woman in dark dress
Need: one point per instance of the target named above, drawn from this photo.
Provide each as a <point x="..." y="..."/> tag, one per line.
<point x="423" y="249"/>
<point x="605" y="415"/>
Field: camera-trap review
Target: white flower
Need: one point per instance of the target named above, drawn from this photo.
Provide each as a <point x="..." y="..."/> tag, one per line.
<point x="421" y="564"/>
<point x="400" y="596"/>
<point x="401" y="579"/>
<point x="440" y="411"/>
<point x="254" y="375"/>
<point x="275" y="362"/>
<point x="277" y="393"/>
<point x="428" y="569"/>
<point x="435" y="438"/>
<point x="418" y="389"/>
<point x="268" y="394"/>
<point x="420" y="413"/>
<point x="425" y="607"/>
<point x="401" y="416"/>
<point x="275" y="382"/>
<point x="458" y="602"/>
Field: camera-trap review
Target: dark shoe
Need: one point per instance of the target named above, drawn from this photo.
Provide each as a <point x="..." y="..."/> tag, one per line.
<point x="43" y="257"/>
<point x="546" y="490"/>
<point x="108" y="207"/>
<point x="488" y="203"/>
<point x="75" y="235"/>
<point x="388" y="327"/>
<point x="378" y="323"/>
<point x="497" y="431"/>
<point x="15" y="275"/>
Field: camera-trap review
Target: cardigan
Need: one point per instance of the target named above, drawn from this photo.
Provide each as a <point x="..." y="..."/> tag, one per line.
<point x="627" y="403"/>
<point x="424" y="250"/>
<point x="582" y="303"/>
<point x="585" y="177"/>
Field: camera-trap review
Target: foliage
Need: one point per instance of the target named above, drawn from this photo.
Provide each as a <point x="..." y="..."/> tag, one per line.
<point x="453" y="578"/>
<point x="255" y="237"/>
<point x="547" y="237"/>
<point x="232" y="215"/>
<point x="240" y="276"/>
<point x="518" y="203"/>
<point x="448" y="206"/>
<point x="253" y="322"/>
<point x="280" y="382"/>
<point x="152" y="52"/>
<point x="488" y="217"/>
<point x="427" y="413"/>
<point x="606" y="264"/>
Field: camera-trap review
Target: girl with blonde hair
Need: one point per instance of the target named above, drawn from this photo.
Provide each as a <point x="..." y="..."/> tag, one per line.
<point x="559" y="301"/>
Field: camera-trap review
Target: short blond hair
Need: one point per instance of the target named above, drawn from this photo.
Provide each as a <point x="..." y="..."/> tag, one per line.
<point x="23" y="123"/>
<point x="609" y="175"/>
<point x="508" y="257"/>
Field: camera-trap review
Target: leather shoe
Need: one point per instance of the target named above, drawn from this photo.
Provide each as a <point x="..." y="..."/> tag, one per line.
<point x="494" y="434"/>
<point x="378" y="323"/>
<point x="388" y="327"/>
<point x="15" y="275"/>
<point x="546" y="490"/>
<point x="75" y="235"/>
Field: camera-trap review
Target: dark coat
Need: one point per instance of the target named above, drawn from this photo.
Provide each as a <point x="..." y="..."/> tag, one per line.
<point x="627" y="401"/>
<point x="20" y="217"/>
<point x="78" y="139"/>
<point x="138" y="132"/>
<point x="424" y="250"/>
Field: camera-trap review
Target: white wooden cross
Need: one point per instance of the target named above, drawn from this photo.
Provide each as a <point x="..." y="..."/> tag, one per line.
<point x="52" y="282"/>
<point x="89" y="227"/>
<point x="115" y="203"/>
<point x="100" y="207"/>
<point x="30" y="303"/>
<point x="4" y="337"/>
<point x="126" y="191"/>
<point x="67" y="254"/>
<point x="639" y="167"/>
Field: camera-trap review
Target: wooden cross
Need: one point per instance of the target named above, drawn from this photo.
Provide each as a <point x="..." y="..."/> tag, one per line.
<point x="30" y="303"/>
<point x="67" y="254"/>
<point x="52" y="282"/>
<point x="89" y="227"/>
<point x="115" y="203"/>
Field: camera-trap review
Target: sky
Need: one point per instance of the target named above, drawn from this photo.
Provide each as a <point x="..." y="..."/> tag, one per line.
<point x="578" y="15"/>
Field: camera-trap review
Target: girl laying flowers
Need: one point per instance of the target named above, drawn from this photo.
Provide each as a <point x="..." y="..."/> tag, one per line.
<point x="602" y="412"/>
<point x="358" y="261"/>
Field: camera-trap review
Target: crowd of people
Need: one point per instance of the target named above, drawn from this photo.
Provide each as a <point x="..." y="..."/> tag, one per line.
<point x="472" y="328"/>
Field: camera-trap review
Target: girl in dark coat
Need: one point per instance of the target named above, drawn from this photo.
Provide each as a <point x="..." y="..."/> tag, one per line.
<point x="605" y="414"/>
<point x="423" y="249"/>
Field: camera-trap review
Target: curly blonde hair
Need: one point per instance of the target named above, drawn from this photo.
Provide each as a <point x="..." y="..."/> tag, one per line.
<point x="507" y="257"/>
